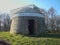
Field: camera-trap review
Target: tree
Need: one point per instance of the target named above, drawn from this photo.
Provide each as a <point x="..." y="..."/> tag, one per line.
<point x="58" y="23"/>
<point x="7" y="22"/>
<point x="45" y="13"/>
<point x="52" y="21"/>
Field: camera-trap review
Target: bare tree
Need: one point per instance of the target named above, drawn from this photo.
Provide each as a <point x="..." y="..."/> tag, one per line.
<point x="52" y="13"/>
<point x="45" y="13"/>
<point x="58" y="23"/>
<point x="7" y="22"/>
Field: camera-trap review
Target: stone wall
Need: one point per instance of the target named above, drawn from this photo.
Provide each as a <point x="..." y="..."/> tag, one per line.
<point x="20" y="25"/>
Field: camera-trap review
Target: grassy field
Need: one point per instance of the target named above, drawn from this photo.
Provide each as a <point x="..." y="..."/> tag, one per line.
<point x="43" y="39"/>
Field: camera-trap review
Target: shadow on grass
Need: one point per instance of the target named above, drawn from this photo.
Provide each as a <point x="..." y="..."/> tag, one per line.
<point x="46" y="35"/>
<point x="49" y="35"/>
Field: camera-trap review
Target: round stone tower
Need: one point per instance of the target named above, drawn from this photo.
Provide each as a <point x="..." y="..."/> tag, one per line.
<point x="27" y="20"/>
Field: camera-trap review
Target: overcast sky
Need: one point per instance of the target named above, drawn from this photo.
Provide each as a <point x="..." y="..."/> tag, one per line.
<point x="7" y="5"/>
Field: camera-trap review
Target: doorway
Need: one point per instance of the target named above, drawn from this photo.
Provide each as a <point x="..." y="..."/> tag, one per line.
<point x="31" y="26"/>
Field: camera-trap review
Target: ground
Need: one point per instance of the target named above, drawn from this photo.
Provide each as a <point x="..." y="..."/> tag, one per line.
<point x="43" y="39"/>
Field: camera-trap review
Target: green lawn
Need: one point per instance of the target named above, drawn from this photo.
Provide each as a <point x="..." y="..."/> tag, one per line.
<point x="43" y="39"/>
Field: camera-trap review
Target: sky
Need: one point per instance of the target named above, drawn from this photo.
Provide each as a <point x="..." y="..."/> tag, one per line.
<point x="8" y="5"/>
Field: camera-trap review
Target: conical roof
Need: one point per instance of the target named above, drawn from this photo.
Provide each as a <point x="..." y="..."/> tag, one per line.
<point x="27" y="9"/>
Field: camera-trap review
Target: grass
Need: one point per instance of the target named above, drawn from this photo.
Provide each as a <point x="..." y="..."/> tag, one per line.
<point x="43" y="39"/>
